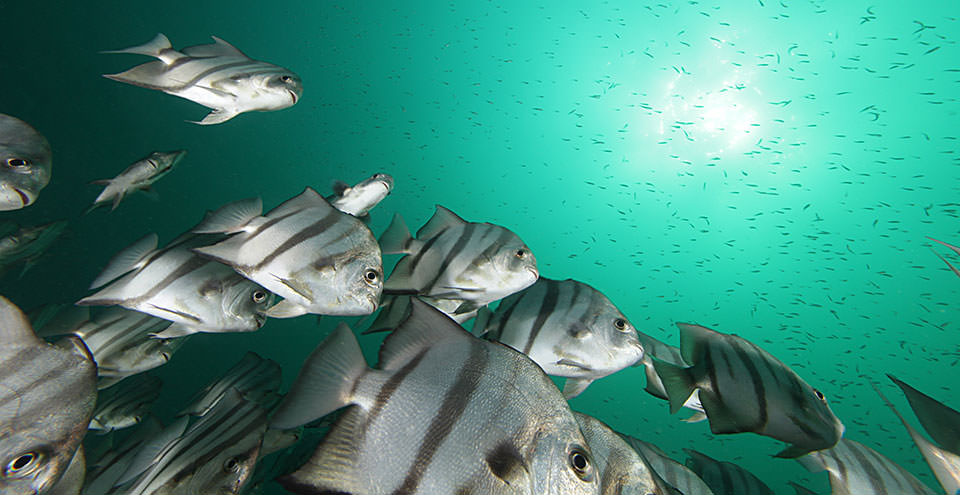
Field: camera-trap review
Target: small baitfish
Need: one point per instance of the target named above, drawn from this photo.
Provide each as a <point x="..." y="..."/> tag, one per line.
<point x="25" y="163"/>
<point x="743" y="388"/>
<point x="457" y="266"/>
<point x="435" y="418"/>
<point x="174" y="283"/>
<point x="39" y="440"/>
<point x="567" y="327"/>
<point x="857" y="469"/>
<point x="319" y="259"/>
<point x="217" y="76"/>
<point x="139" y="176"/>
<point x="358" y="200"/>
<point x="126" y="404"/>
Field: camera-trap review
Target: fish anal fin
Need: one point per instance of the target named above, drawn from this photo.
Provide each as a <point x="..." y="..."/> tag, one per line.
<point x="217" y="116"/>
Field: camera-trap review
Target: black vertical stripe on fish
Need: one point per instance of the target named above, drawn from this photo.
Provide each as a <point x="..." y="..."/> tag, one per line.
<point x="415" y="260"/>
<point x="508" y="313"/>
<point x="759" y="388"/>
<point x="268" y="224"/>
<point x="311" y="231"/>
<point x="469" y="230"/>
<point x="387" y="391"/>
<point x="454" y="404"/>
<point x="546" y="309"/>
<point x="867" y="465"/>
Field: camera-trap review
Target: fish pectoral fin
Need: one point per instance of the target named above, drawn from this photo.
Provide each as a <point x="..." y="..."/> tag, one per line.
<point x="575" y="386"/>
<point x="573" y="364"/>
<point x="696" y="417"/>
<point x="174" y="331"/>
<point x="217" y="117"/>
<point x="506" y="462"/>
<point x="677" y="382"/>
<point x="286" y="309"/>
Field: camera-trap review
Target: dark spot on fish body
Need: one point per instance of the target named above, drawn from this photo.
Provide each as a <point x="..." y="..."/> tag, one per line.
<point x="506" y="462"/>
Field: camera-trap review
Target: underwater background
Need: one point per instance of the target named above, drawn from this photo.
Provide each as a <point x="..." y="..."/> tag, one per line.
<point x="765" y="168"/>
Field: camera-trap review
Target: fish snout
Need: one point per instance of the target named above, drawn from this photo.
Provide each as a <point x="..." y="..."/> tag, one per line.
<point x="14" y="198"/>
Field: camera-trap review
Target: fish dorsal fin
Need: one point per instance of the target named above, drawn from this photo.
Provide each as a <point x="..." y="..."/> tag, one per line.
<point x="148" y="453"/>
<point x="307" y="199"/>
<point x="396" y="239"/>
<point x="692" y="341"/>
<point x="128" y="259"/>
<point x="941" y="422"/>
<point x="231" y="217"/>
<point x="14" y="325"/>
<point x="441" y="220"/>
<point x="219" y="48"/>
<point x="340" y="188"/>
<point x="424" y="327"/>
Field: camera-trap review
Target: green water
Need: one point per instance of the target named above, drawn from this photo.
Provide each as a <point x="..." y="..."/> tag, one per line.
<point x="767" y="169"/>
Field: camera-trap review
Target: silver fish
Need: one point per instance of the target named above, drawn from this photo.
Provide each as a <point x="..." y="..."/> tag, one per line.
<point x="435" y="417"/>
<point x="726" y="478"/>
<point x="39" y="440"/>
<point x="673" y="472"/>
<point x="25" y="163"/>
<point x="857" y="469"/>
<point x="126" y="404"/>
<point x="253" y="376"/>
<point x="71" y="482"/>
<point x="457" y="266"/>
<point x="622" y="471"/>
<point x="26" y="245"/>
<point x="654" y="348"/>
<point x="173" y="283"/>
<point x="107" y="470"/>
<point x="139" y="176"/>
<point x="217" y="76"/>
<point x="215" y="455"/>
<point x="320" y="260"/>
<point x="121" y="341"/>
<point x="361" y="198"/>
<point x="744" y="388"/>
<point x="944" y="463"/>
<point x="567" y="327"/>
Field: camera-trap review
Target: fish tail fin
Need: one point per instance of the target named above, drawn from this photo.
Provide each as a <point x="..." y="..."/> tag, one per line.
<point x="396" y="239"/>
<point x="129" y="258"/>
<point x="325" y="381"/>
<point x="116" y="201"/>
<point x="158" y="47"/>
<point x="230" y="218"/>
<point x="677" y="382"/>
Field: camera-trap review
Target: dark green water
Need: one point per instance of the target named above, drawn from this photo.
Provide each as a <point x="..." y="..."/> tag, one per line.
<point x="766" y="169"/>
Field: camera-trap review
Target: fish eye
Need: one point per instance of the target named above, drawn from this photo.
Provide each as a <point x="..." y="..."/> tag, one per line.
<point x="17" y="162"/>
<point x="258" y="296"/>
<point x="286" y="78"/>
<point x="520" y="253"/>
<point x="620" y="323"/>
<point x="819" y="395"/>
<point x="371" y="276"/>
<point x="580" y="464"/>
<point x="22" y="464"/>
<point x="230" y="465"/>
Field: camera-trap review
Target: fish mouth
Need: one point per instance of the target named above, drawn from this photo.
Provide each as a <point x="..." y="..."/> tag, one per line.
<point x="293" y="96"/>
<point x="533" y="271"/>
<point x="260" y="319"/>
<point x="24" y="197"/>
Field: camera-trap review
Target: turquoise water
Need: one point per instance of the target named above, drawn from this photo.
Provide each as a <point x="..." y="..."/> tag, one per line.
<point x="764" y="168"/>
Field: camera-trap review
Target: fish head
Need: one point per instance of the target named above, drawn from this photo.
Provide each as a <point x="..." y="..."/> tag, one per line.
<point x="278" y="90"/>
<point x="162" y="162"/>
<point x="514" y="267"/>
<point x="614" y="343"/>
<point x="39" y="440"/>
<point x="356" y="280"/>
<point x="377" y="186"/>
<point x="228" y="471"/>
<point x="245" y="305"/>
<point x="562" y="460"/>
<point x="25" y="163"/>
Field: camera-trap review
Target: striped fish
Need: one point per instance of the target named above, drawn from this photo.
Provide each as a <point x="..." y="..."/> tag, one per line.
<point x="317" y="258"/>
<point x="801" y="490"/>
<point x="216" y="454"/>
<point x="253" y="376"/>
<point x="944" y="463"/>
<point x="654" y="348"/>
<point x="47" y="395"/>
<point x="436" y="417"/>
<point x="126" y="404"/>
<point x="121" y="341"/>
<point x="622" y="471"/>
<point x="139" y="176"/>
<point x="106" y="470"/>
<point x="725" y="478"/>
<point x="673" y="472"/>
<point x="173" y="283"/>
<point x="25" y="163"/>
<point x="217" y="76"/>
<point x="361" y="198"/>
<point x="744" y="388"/>
<point x="567" y="327"/>
<point x="27" y="244"/>
<point x="857" y="469"/>
<point x="457" y="266"/>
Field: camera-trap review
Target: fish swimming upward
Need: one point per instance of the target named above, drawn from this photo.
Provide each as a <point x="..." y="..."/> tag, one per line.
<point x="25" y="162"/>
<point x="38" y="441"/>
<point x="139" y="176"/>
<point x="217" y="76"/>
